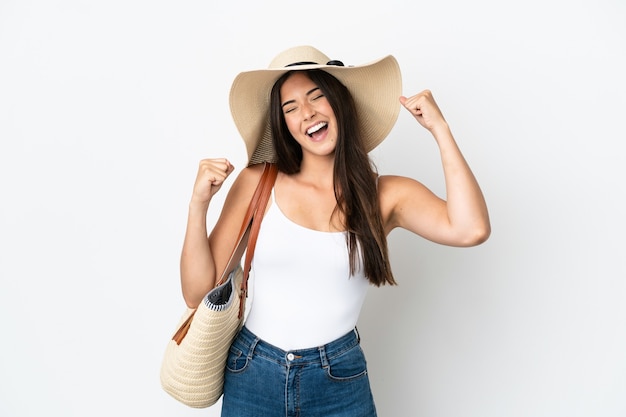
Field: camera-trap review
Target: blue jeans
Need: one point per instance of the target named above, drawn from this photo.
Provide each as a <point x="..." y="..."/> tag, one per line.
<point x="262" y="380"/>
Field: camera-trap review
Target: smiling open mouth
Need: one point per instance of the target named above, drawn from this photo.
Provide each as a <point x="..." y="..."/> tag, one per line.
<point x="316" y="129"/>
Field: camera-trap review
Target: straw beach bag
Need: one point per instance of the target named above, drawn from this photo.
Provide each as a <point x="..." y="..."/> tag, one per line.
<point x="192" y="370"/>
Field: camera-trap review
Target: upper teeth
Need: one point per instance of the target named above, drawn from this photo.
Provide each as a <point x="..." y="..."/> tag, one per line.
<point x="315" y="128"/>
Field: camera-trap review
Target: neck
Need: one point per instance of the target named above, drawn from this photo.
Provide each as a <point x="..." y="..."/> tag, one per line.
<point x="318" y="170"/>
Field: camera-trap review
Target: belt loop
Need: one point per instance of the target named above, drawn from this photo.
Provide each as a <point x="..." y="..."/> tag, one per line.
<point x="323" y="357"/>
<point x="358" y="336"/>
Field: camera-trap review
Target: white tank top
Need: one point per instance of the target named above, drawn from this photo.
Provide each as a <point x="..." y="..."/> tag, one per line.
<point x="301" y="291"/>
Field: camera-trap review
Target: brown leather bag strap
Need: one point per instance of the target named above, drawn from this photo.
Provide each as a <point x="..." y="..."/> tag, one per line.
<point x="257" y="217"/>
<point x="267" y="179"/>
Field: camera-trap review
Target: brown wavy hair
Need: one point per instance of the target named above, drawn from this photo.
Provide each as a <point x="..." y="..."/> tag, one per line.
<point x="355" y="177"/>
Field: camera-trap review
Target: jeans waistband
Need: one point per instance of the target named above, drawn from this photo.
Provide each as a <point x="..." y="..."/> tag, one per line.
<point x="319" y="354"/>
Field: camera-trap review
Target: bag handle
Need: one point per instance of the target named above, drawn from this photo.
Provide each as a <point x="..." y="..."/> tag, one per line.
<point x="266" y="185"/>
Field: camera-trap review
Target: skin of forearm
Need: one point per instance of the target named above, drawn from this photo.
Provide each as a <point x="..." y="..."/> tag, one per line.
<point x="467" y="210"/>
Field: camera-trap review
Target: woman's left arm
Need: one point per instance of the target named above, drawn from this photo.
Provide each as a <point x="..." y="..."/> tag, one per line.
<point x="462" y="218"/>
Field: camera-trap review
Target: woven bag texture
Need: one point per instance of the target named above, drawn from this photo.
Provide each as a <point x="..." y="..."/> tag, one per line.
<point x="193" y="372"/>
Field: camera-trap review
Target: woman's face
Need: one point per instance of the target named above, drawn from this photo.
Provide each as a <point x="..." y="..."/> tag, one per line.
<point x="308" y="115"/>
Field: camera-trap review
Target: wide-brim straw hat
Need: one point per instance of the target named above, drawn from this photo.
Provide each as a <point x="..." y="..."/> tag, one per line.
<point x="375" y="87"/>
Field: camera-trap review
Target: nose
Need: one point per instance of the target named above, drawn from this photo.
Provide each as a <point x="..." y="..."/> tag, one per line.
<point x="308" y="111"/>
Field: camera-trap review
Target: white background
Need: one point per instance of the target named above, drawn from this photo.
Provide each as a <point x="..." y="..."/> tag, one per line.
<point x="107" y="107"/>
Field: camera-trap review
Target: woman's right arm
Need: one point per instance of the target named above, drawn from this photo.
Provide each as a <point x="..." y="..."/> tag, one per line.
<point x="202" y="255"/>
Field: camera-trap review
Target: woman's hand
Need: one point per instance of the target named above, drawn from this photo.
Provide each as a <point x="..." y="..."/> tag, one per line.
<point x="211" y="176"/>
<point x="425" y="110"/>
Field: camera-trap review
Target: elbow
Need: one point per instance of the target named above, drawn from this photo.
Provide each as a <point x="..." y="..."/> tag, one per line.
<point x="478" y="236"/>
<point x="472" y="234"/>
<point x="192" y="302"/>
<point x="483" y="236"/>
<point x="193" y="297"/>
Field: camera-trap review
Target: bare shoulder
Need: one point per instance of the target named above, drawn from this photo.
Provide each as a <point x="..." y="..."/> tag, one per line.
<point x="248" y="178"/>
<point x="391" y="187"/>
<point x="226" y="230"/>
<point x="401" y="197"/>
<point x="242" y="190"/>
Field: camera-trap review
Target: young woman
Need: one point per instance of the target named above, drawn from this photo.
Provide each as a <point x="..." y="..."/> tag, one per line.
<point x="323" y="238"/>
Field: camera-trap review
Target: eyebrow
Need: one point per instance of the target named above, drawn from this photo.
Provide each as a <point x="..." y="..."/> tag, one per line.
<point x="293" y="101"/>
